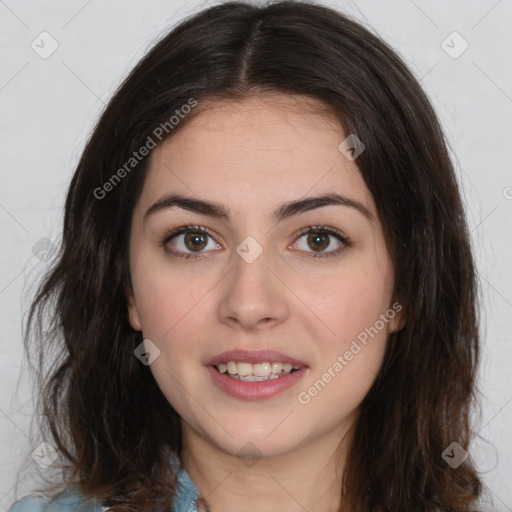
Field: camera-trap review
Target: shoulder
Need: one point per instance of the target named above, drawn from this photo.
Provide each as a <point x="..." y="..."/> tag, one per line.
<point x="70" y="498"/>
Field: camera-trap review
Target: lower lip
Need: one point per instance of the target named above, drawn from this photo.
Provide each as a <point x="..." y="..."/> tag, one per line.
<point x="256" y="390"/>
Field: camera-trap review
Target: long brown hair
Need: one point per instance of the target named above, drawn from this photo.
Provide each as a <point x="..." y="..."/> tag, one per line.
<point x="103" y="408"/>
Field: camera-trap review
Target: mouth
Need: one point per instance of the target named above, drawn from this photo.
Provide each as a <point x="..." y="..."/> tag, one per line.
<point x="262" y="371"/>
<point x="255" y="375"/>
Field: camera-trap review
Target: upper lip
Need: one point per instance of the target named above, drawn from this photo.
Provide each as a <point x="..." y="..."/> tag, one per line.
<point x="253" y="356"/>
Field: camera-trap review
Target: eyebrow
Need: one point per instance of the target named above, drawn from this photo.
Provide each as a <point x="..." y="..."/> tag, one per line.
<point x="284" y="211"/>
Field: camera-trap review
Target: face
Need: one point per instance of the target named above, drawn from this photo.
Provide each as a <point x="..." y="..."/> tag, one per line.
<point x="309" y="286"/>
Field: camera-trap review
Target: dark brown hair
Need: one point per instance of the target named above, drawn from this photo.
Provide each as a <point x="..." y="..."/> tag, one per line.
<point x="103" y="408"/>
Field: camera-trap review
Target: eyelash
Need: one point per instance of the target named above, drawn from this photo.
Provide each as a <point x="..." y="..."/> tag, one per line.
<point x="345" y="241"/>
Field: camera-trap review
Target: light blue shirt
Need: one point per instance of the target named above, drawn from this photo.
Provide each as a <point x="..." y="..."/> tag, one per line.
<point x="72" y="499"/>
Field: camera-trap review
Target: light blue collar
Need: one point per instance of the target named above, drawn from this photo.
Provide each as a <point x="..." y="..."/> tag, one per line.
<point x="187" y="493"/>
<point x="72" y="498"/>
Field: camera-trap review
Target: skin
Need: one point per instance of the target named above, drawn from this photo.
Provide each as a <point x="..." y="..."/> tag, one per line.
<point x="252" y="156"/>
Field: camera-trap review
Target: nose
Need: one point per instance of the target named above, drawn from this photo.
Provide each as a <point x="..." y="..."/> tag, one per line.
<point x="253" y="295"/>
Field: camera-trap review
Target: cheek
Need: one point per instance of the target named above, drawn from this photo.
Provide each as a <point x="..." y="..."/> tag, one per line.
<point x="351" y="350"/>
<point x="171" y="310"/>
<point x="349" y="301"/>
<point x="349" y="361"/>
<point x="172" y="307"/>
<point x="170" y="297"/>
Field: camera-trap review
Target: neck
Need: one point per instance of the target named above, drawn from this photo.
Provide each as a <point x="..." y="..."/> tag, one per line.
<point x="308" y="478"/>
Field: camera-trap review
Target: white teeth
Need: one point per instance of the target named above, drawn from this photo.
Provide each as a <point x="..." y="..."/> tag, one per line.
<point x="260" y="371"/>
<point x="244" y="368"/>
<point x="276" y="367"/>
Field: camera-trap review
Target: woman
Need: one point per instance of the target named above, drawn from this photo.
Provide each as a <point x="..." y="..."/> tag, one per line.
<point x="266" y="294"/>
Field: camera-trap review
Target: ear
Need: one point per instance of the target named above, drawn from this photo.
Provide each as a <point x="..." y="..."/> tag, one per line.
<point x="133" y="315"/>
<point x="398" y="321"/>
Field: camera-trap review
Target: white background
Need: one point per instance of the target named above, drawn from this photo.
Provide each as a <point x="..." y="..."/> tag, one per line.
<point x="48" y="107"/>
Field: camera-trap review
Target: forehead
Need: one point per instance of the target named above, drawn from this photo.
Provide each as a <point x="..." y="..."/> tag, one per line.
<point x="254" y="153"/>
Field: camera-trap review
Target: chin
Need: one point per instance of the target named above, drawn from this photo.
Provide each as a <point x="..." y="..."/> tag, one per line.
<point x="250" y="450"/>
<point x="250" y="440"/>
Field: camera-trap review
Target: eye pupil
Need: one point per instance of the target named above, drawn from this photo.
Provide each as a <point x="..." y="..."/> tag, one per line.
<point x="318" y="238"/>
<point x="197" y="240"/>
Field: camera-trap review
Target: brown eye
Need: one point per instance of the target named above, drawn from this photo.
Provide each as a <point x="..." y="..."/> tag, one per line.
<point x="194" y="240"/>
<point x="321" y="242"/>
<point x="188" y="241"/>
<point x="318" y="240"/>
